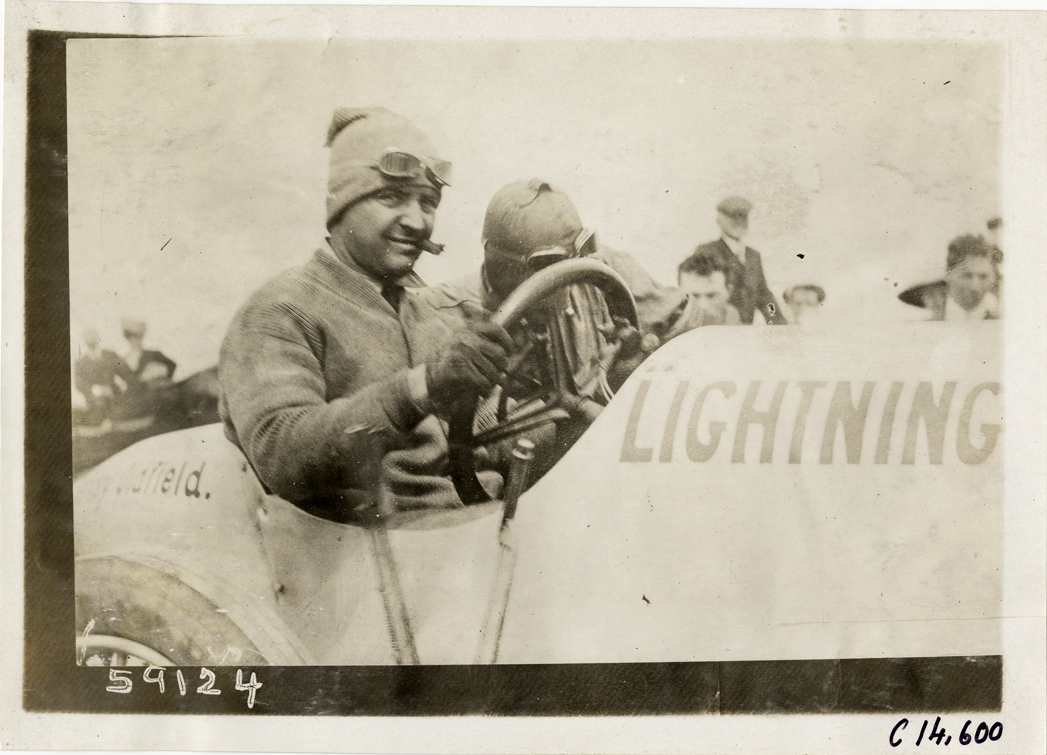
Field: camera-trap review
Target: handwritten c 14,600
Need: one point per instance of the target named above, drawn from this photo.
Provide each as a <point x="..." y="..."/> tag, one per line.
<point x="981" y="733"/>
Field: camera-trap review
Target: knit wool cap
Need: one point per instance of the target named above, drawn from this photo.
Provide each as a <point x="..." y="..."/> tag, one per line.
<point x="357" y="138"/>
<point x="527" y="217"/>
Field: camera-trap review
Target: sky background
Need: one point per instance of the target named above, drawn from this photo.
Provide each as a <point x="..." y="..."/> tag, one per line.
<point x="197" y="169"/>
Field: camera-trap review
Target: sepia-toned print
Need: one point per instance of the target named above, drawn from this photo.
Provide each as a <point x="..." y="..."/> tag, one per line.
<point x="773" y="491"/>
<point x="544" y="364"/>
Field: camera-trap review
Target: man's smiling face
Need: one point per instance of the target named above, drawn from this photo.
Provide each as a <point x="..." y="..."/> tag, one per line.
<point x="381" y="231"/>
<point x="970" y="280"/>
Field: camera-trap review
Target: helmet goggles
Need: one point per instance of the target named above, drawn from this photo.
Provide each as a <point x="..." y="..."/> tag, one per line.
<point x="581" y="247"/>
<point x="398" y="164"/>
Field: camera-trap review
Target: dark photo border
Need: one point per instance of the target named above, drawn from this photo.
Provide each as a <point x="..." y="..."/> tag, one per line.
<point x="54" y="683"/>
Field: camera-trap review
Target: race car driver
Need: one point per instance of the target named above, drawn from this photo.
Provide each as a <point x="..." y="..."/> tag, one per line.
<point x="332" y="373"/>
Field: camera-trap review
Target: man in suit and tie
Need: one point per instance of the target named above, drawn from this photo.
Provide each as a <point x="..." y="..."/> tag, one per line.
<point x="746" y="282"/>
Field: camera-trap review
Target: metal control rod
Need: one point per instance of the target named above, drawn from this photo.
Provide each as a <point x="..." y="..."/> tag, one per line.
<point x="491" y="630"/>
<point x="400" y="634"/>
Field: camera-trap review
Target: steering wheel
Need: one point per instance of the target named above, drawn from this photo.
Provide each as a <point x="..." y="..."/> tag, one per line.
<point x="533" y="314"/>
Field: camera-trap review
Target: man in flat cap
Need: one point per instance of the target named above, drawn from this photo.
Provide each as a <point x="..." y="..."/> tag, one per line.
<point x="146" y="364"/>
<point x="332" y="374"/>
<point x="749" y="290"/>
<point x="151" y="390"/>
<point x="529" y="224"/>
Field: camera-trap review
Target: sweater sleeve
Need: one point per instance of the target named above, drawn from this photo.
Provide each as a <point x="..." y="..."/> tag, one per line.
<point x="274" y="401"/>
<point x="663" y="310"/>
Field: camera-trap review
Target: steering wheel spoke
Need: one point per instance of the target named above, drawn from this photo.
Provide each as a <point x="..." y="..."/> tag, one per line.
<point x="519" y="426"/>
<point x="540" y="387"/>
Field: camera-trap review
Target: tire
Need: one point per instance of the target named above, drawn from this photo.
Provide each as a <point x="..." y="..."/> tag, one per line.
<point x="106" y="650"/>
<point x="121" y="598"/>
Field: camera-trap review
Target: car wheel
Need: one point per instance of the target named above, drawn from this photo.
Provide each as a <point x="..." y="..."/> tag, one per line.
<point x="106" y="650"/>
<point x="129" y="612"/>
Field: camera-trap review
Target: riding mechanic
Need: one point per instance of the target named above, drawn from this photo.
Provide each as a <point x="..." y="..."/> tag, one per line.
<point x="530" y="224"/>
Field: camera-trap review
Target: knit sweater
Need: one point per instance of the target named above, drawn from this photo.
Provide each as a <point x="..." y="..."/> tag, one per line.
<point x="315" y="391"/>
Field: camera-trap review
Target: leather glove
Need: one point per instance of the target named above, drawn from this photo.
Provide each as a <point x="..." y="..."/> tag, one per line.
<point x="633" y="351"/>
<point x="473" y="361"/>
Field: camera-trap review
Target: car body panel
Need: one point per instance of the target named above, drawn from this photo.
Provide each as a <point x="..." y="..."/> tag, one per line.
<point x="184" y="504"/>
<point x="635" y="546"/>
<point x="660" y="557"/>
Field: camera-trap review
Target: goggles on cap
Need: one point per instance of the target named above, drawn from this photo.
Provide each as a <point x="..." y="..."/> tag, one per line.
<point x="582" y="247"/>
<point x="395" y="163"/>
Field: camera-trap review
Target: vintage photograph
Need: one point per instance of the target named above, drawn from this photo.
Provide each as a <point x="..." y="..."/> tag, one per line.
<point x="629" y="374"/>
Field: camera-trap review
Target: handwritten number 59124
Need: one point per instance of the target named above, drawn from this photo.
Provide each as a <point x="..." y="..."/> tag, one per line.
<point x="121" y="682"/>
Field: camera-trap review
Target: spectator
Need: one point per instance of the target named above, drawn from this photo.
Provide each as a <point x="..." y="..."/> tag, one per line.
<point x="101" y="376"/>
<point x="705" y="281"/>
<point x="151" y="390"/>
<point x="145" y="364"/>
<point x="966" y="293"/>
<point x="745" y="277"/>
<point x="805" y="303"/>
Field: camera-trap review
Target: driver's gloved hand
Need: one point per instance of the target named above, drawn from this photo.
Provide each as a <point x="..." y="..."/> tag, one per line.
<point x="474" y="360"/>
<point x="628" y="336"/>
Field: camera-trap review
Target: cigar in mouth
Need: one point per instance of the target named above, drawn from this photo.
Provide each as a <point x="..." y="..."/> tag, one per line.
<point x="430" y="246"/>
